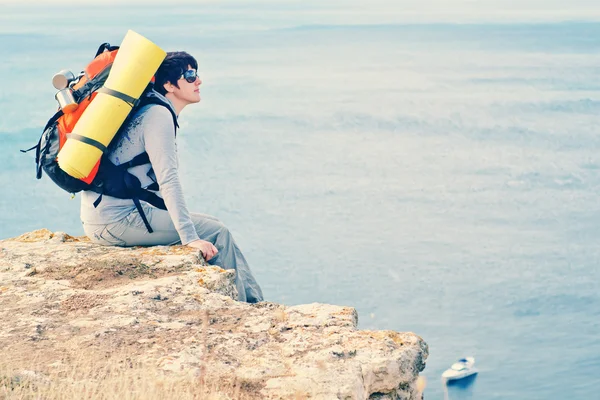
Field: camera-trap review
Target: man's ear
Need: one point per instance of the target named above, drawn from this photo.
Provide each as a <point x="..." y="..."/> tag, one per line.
<point x="169" y="87"/>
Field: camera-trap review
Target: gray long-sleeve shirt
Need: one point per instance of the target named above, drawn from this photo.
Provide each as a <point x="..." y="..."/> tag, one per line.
<point x="152" y="131"/>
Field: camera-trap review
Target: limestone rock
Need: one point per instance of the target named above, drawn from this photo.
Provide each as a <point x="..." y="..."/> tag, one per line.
<point x="166" y="306"/>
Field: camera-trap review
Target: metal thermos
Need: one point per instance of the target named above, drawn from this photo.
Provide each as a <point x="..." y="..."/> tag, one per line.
<point x="66" y="101"/>
<point x="61" y="81"/>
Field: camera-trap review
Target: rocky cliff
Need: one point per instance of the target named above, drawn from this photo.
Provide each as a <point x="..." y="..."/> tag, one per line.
<point x="164" y="307"/>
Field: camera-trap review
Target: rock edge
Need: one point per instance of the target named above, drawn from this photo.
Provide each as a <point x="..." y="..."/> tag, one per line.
<point x="167" y="307"/>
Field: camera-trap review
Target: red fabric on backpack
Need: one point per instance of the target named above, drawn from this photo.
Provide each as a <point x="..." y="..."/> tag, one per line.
<point x="67" y="122"/>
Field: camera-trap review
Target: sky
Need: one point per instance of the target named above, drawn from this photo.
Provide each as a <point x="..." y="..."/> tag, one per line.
<point x="397" y="10"/>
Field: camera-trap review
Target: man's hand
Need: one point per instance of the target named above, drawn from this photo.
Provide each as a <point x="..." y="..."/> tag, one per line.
<point x="207" y="249"/>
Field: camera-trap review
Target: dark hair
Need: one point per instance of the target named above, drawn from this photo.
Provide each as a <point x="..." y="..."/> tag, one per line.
<point x="171" y="69"/>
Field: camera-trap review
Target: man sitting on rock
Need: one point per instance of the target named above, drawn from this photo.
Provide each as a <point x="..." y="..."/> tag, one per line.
<point x="118" y="222"/>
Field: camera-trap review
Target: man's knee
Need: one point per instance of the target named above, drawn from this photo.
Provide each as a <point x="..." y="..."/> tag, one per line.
<point x="219" y="229"/>
<point x="223" y="230"/>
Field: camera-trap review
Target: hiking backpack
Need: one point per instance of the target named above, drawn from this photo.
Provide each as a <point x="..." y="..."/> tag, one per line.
<point x="106" y="178"/>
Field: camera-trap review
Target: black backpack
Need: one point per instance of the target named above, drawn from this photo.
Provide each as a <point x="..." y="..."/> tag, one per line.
<point x="110" y="179"/>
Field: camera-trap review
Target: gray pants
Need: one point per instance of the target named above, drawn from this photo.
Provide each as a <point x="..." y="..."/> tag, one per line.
<point x="131" y="231"/>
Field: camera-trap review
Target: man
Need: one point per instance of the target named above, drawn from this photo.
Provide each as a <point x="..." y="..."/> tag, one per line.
<point x="151" y="129"/>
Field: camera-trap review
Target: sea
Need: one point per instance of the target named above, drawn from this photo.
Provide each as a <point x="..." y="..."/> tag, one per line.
<point x="440" y="174"/>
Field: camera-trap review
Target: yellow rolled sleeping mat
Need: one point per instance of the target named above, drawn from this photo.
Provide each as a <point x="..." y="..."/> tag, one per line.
<point x="136" y="63"/>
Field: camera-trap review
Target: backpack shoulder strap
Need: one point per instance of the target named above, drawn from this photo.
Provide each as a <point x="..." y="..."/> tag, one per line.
<point x="149" y="97"/>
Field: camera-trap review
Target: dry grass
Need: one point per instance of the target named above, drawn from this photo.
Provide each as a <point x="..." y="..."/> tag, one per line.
<point x="32" y="371"/>
<point x="82" y="374"/>
<point x="109" y="379"/>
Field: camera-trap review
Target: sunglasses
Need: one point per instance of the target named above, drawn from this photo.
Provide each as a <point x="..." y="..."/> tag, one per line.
<point x="190" y="75"/>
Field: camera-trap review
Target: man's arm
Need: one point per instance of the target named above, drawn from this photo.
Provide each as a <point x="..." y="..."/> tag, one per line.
<point x="159" y="142"/>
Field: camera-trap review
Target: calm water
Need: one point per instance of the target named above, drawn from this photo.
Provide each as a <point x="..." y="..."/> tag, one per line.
<point x="442" y="179"/>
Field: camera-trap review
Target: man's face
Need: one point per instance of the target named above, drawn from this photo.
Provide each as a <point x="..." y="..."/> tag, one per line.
<point x="188" y="91"/>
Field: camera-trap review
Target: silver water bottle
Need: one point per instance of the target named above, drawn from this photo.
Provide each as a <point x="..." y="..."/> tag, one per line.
<point x="64" y="96"/>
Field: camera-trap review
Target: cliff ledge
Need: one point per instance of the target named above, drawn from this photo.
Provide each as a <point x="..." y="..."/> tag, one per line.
<point x="164" y="307"/>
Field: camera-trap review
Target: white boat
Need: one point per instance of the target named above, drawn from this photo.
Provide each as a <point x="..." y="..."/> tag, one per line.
<point x="460" y="369"/>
